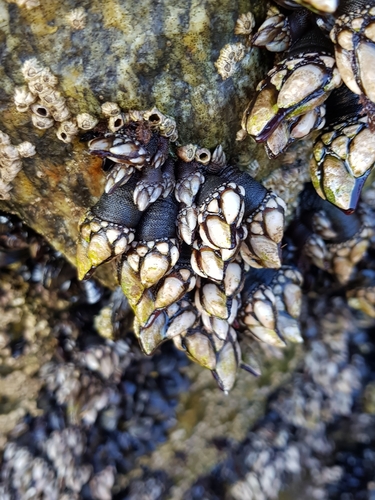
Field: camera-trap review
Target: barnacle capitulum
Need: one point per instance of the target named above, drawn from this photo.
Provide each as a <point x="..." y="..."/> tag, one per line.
<point x="189" y="180"/>
<point x="271" y="305"/>
<point x="149" y="303"/>
<point x="187" y="223"/>
<point x="221" y="356"/>
<point x="361" y="294"/>
<point x="239" y="209"/>
<point x="299" y="84"/>
<point x="220" y="213"/>
<point x="107" y="230"/>
<point x="274" y="33"/>
<point x="344" y="153"/>
<point x="354" y="37"/>
<point x="318" y="6"/>
<point x="155" y="250"/>
<point x="333" y="240"/>
<point x="134" y="145"/>
<point x="265" y="229"/>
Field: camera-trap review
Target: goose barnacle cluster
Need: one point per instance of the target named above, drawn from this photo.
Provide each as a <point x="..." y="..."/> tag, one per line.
<point x="185" y="228"/>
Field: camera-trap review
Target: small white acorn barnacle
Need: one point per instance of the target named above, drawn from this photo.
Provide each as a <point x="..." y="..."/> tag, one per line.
<point x="187" y="152"/>
<point x="134" y="115"/>
<point x="230" y="55"/>
<point x="110" y="109"/>
<point x="203" y="155"/>
<point x="23" y="98"/>
<point x="116" y="122"/>
<point x="42" y="122"/>
<point x="154" y="117"/>
<point x="85" y="121"/>
<point x="77" y="18"/>
<point x="61" y="114"/>
<point x="31" y="69"/>
<point x="48" y="78"/>
<point x="26" y="149"/>
<point x="244" y="24"/>
<point x="10" y="162"/>
<point x="168" y="128"/>
<point x="40" y="110"/>
<point x="67" y="131"/>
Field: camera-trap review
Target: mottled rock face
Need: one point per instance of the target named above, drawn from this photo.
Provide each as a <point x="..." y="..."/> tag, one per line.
<point x="137" y="55"/>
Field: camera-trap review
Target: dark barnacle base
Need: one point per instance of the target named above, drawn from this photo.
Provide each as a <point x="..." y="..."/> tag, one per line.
<point x="325" y="45"/>
<point x="185" y="254"/>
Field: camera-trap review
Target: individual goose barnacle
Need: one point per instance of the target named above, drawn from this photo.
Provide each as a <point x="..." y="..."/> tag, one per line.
<point x="221" y="208"/>
<point x="218" y="318"/>
<point x="222" y="358"/>
<point x="149" y="188"/>
<point x="148" y="302"/>
<point x="288" y="102"/>
<point x="211" y="299"/>
<point x="318" y="6"/>
<point x="258" y="314"/>
<point x="189" y="178"/>
<point x="167" y="324"/>
<point x="207" y="262"/>
<point x="281" y="289"/>
<point x="126" y="154"/>
<point x="344" y="153"/>
<point x="234" y="207"/>
<point x="278" y="31"/>
<point x="107" y="229"/>
<point x="274" y="33"/>
<point x="337" y="251"/>
<point x="354" y="37"/>
<point x="155" y="250"/>
<point x="155" y="182"/>
<point x="187" y="223"/>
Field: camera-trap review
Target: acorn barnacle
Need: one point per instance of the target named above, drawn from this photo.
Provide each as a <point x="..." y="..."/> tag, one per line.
<point x="11" y="162"/>
<point x="77" y="18"/>
<point x="187" y="229"/>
